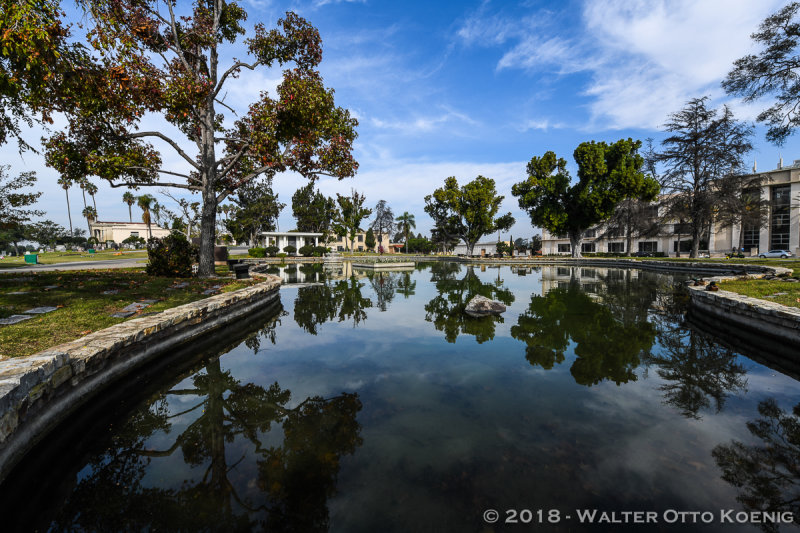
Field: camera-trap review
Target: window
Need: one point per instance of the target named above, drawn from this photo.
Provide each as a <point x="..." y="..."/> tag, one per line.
<point x="648" y="246"/>
<point x="616" y="247"/>
<point x="681" y="229"/>
<point x="587" y="248"/>
<point x="779" y="218"/>
<point x="751" y="237"/>
<point x="360" y="248"/>
<point x="340" y="248"/>
<point x="651" y="211"/>
<point x="686" y="246"/>
<point x="360" y="239"/>
<point x="563" y="248"/>
<point x="563" y="272"/>
<point x="588" y="273"/>
<point x="134" y="234"/>
<point x="614" y="231"/>
<point x="590" y="233"/>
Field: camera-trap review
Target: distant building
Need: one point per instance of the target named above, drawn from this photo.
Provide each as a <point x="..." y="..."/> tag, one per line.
<point x="282" y="239"/>
<point x="341" y="244"/>
<point x="781" y="233"/>
<point x="480" y="249"/>
<point x="119" y="231"/>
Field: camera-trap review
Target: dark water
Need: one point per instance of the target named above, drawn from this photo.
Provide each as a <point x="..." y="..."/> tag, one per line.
<point x="371" y="402"/>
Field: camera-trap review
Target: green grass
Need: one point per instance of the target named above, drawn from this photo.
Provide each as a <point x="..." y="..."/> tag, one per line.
<point x="49" y="258"/>
<point x="772" y="290"/>
<point x="794" y="264"/>
<point x="82" y="306"/>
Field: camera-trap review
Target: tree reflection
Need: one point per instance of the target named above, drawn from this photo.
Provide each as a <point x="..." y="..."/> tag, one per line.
<point x="233" y="482"/>
<point x="267" y="332"/>
<point x="340" y="299"/>
<point x="699" y="372"/>
<point x="384" y="284"/>
<point x="606" y="347"/>
<point x="446" y="310"/>
<point x="767" y="474"/>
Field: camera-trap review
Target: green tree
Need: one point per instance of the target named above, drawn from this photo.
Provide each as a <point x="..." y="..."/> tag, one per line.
<point x="90" y="215"/>
<point x="129" y="199"/>
<point x="13" y="233"/>
<point x="257" y="210"/>
<point x="445" y="221"/>
<point x="469" y="211"/>
<point x="774" y="71"/>
<point x="404" y="223"/>
<point x="607" y="174"/>
<point x="383" y="223"/>
<point x="369" y="240"/>
<point x="14" y="202"/>
<point x="504" y="248"/>
<point x="313" y="211"/>
<point x="351" y="213"/>
<point x="149" y="61"/>
<point x="705" y="148"/>
<point x="145" y="202"/>
<point x="46" y="233"/>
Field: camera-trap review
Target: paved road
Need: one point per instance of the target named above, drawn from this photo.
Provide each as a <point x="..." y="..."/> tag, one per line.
<point x="80" y="265"/>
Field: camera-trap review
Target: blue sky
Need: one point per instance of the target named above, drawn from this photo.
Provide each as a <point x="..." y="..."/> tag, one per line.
<point x="479" y="87"/>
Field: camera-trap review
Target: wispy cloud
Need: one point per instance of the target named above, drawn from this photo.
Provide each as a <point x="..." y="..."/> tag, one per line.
<point x="423" y="123"/>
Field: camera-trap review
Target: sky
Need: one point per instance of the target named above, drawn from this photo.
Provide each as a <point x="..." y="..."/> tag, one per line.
<point x="468" y="88"/>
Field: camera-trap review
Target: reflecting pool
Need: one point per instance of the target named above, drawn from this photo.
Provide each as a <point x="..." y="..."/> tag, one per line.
<point x="370" y="402"/>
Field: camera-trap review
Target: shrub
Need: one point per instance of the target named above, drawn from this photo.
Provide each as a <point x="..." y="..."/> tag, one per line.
<point x="257" y="252"/>
<point x="272" y="250"/>
<point x="306" y="250"/>
<point x="171" y="256"/>
<point x="282" y="255"/>
<point x="289" y="249"/>
<point x="321" y="250"/>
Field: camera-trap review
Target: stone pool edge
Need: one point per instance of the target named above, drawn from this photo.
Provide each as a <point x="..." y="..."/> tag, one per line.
<point x="39" y="391"/>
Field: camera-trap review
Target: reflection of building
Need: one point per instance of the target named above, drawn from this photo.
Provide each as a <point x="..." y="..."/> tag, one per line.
<point x="282" y="239"/>
<point x="119" y="231"/>
<point x="591" y="279"/>
<point x="781" y="185"/>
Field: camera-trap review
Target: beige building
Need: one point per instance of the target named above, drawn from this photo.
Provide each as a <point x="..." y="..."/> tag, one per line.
<point x="781" y="192"/>
<point x="119" y="231"/>
<point x="340" y="244"/>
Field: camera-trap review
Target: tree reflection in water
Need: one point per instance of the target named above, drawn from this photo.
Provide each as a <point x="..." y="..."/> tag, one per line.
<point x="229" y="422"/>
<point x="697" y="369"/>
<point x="767" y="474"/>
<point x="338" y="299"/>
<point x="607" y="348"/>
<point x="446" y="310"/>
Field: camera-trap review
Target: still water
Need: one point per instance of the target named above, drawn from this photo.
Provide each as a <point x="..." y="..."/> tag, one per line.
<point x="369" y="402"/>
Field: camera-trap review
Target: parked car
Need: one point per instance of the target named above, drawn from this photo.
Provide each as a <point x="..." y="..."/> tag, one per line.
<point x="783" y="254"/>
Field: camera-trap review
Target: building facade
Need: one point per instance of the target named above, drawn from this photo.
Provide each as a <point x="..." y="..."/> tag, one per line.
<point x="780" y="192"/>
<point x="119" y="231"/>
<point x="282" y="239"/>
<point x="341" y="244"/>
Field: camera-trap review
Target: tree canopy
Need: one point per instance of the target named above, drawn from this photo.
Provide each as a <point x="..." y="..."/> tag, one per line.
<point x="313" y="211"/>
<point x="774" y="71"/>
<point x="151" y="61"/>
<point x="14" y="201"/>
<point x="257" y="209"/>
<point x="350" y="214"/>
<point x="607" y="174"/>
<point x="469" y="211"/>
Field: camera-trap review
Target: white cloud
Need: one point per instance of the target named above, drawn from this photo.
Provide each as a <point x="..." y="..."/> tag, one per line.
<point x="423" y="124"/>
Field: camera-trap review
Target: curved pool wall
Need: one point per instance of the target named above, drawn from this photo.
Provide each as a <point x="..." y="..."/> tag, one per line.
<point x="39" y="392"/>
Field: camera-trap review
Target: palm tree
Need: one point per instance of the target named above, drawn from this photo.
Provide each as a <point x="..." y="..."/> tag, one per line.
<point x="406" y="222"/>
<point x="144" y="202"/>
<point x="91" y="188"/>
<point x="129" y="199"/>
<point x="91" y="214"/>
<point x="83" y="185"/>
<point x="66" y="185"/>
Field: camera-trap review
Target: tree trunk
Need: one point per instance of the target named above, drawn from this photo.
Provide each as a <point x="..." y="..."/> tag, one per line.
<point x="470" y="247"/>
<point x="69" y="215"/>
<point x="575" y="238"/>
<point x="207" y="223"/>
<point x="130" y="214"/>
<point x="695" y="240"/>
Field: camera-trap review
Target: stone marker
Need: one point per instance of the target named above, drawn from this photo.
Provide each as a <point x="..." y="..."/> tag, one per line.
<point x="13" y="319"/>
<point x="51" y="287"/>
<point x="40" y="310"/>
<point x="19" y="292"/>
<point x="111" y="291"/>
<point x="123" y="314"/>
<point x="135" y="306"/>
<point x="482" y="306"/>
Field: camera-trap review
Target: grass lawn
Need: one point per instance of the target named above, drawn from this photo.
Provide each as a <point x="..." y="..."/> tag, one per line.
<point x="82" y="305"/>
<point x="773" y="290"/>
<point x="794" y="264"/>
<point x="49" y="258"/>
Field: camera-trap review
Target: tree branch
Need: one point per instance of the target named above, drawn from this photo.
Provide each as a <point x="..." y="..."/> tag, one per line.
<point x="235" y="67"/>
<point x="168" y="141"/>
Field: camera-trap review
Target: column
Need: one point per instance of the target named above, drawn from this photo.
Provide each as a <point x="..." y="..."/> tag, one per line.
<point x="794" y="218"/>
<point x="763" y="236"/>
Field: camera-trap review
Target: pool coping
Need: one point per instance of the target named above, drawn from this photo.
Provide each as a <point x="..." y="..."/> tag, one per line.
<point x="39" y="391"/>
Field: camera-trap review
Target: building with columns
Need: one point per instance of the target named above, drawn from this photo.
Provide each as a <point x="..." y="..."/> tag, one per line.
<point x="781" y="192"/>
<point x="298" y="239"/>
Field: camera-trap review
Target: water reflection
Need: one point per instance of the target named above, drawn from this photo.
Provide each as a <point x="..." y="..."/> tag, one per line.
<point x="767" y="474"/>
<point x="607" y="348"/>
<point x="446" y="310"/>
<point x="218" y="471"/>
<point x="340" y="299"/>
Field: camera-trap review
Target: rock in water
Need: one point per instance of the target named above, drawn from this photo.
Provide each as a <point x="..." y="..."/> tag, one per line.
<point x="482" y="306"/>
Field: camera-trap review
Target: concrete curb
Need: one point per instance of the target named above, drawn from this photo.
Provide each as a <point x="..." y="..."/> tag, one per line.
<point x="39" y="391"/>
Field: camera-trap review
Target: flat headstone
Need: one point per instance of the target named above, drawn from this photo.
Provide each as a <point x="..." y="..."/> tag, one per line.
<point x="111" y="291"/>
<point x="123" y="314"/>
<point x="21" y="278"/>
<point x="210" y="291"/>
<point x="181" y="285"/>
<point x="148" y="302"/>
<point x="40" y="310"/>
<point x="135" y="306"/>
<point x="51" y="287"/>
<point x="19" y="292"/>
<point x="13" y="319"/>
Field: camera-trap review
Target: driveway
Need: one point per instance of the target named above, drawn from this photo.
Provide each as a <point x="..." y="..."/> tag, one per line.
<point x="80" y="265"/>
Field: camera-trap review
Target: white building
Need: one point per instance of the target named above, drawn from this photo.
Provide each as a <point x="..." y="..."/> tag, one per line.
<point x="282" y="239"/>
<point x="119" y="231"/>
<point x="781" y="191"/>
<point x="481" y="249"/>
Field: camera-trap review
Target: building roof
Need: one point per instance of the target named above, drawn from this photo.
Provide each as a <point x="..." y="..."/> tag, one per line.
<point x="290" y="234"/>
